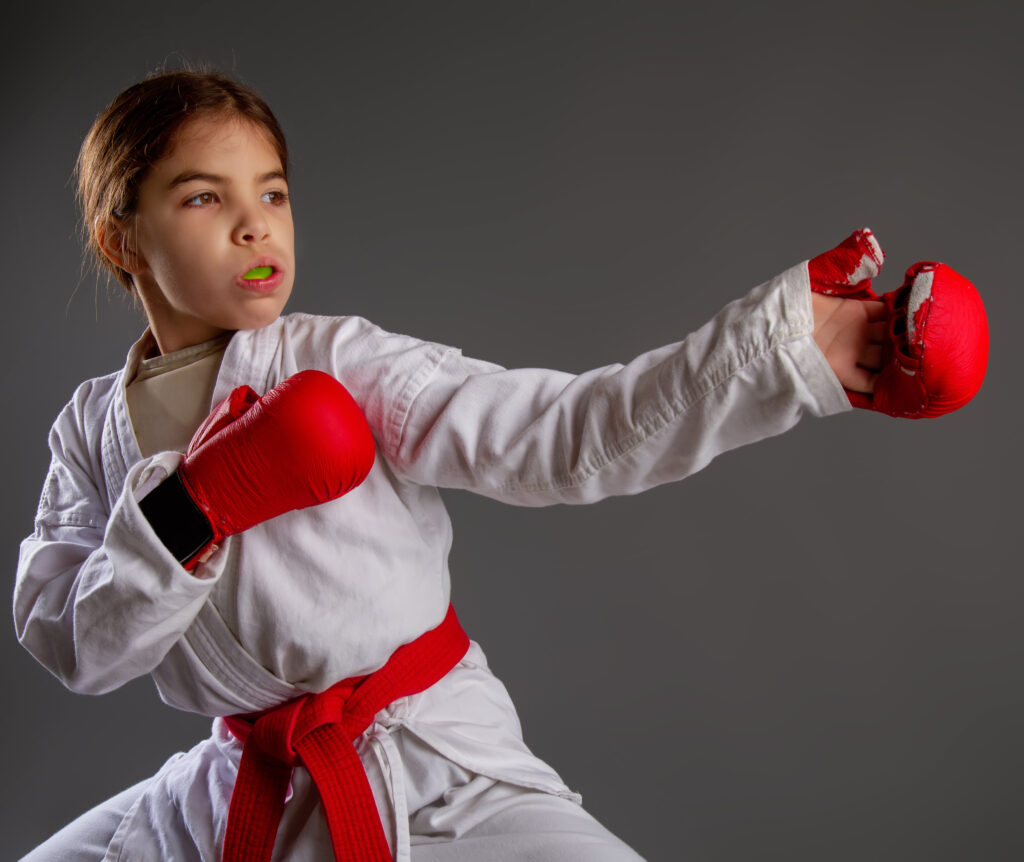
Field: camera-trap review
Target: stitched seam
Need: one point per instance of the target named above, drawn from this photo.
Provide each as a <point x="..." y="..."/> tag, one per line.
<point x="52" y="519"/>
<point x="400" y="416"/>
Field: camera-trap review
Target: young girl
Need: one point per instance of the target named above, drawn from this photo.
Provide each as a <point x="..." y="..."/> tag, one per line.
<point x="413" y="751"/>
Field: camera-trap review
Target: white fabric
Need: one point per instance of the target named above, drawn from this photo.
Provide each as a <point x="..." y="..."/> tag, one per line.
<point x="476" y="820"/>
<point x="331" y="592"/>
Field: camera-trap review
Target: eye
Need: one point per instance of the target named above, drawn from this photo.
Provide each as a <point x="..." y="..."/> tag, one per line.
<point x="276" y="197"/>
<point x="200" y="200"/>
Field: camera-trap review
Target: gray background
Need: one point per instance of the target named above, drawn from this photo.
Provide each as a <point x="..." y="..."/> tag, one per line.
<point x="811" y="650"/>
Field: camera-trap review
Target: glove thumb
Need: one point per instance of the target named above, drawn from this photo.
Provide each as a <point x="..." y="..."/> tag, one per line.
<point x="847" y="269"/>
<point x="226" y="412"/>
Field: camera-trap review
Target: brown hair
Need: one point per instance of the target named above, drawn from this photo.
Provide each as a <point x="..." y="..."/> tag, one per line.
<point x="135" y="131"/>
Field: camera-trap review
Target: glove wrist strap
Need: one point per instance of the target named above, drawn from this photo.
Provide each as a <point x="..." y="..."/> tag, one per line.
<point x="176" y="519"/>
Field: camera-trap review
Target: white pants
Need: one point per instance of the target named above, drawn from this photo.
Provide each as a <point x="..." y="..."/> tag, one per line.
<point x="515" y="824"/>
<point x="453" y="816"/>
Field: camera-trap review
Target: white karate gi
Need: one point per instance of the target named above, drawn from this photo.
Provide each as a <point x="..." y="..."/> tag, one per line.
<point x="330" y="592"/>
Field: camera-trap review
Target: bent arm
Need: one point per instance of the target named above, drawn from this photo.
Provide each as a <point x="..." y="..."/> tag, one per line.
<point x="99" y="601"/>
<point x="534" y="437"/>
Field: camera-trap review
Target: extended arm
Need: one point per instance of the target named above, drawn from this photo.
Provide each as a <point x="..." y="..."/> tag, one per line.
<point x="535" y="437"/>
<point x="813" y="339"/>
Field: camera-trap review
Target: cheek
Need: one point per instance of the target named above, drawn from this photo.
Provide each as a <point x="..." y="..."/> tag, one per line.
<point x="179" y="254"/>
<point x="153" y="244"/>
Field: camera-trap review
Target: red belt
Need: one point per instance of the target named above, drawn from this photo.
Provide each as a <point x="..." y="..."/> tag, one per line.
<point x="318" y="732"/>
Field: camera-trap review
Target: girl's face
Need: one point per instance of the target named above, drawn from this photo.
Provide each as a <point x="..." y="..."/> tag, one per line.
<point x="214" y="208"/>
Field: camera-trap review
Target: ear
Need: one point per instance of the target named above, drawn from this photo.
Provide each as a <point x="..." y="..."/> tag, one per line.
<point x="113" y="240"/>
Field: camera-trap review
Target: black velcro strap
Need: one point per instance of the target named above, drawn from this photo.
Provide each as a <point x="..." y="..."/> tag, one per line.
<point x="176" y="519"/>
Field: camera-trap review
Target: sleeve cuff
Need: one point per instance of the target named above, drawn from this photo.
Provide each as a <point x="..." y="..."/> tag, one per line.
<point x="827" y="393"/>
<point x="132" y="534"/>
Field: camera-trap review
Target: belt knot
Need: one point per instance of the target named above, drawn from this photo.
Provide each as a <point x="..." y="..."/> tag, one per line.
<point x="279" y="732"/>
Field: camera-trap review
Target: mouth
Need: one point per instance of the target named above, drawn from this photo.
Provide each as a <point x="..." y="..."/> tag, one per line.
<point x="263" y="276"/>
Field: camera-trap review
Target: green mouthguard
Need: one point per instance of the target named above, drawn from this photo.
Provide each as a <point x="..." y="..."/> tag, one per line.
<point x="259" y="272"/>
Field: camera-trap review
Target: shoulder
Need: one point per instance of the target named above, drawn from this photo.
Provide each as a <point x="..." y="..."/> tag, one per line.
<point x="350" y="342"/>
<point x="70" y="493"/>
<point x="383" y="370"/>
<point x="84" y="413"/>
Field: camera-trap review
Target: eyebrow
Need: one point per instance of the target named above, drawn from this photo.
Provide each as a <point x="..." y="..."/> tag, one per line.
<point x="189" y="176"/>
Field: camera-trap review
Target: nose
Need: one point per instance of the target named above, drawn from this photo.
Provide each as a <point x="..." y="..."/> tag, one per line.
<point x="251" y="227"/>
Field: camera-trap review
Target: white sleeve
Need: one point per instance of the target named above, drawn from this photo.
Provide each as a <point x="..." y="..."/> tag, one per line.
<point x="534" y="437"/>
<point x="99" y="601"/>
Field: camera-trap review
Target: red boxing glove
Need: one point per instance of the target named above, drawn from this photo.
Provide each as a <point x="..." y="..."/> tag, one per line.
<point x="305" y="442"/>
<point x="936" y="344"/>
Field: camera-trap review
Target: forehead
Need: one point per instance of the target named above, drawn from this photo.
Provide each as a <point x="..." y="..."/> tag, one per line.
<point x="222" y="139"/>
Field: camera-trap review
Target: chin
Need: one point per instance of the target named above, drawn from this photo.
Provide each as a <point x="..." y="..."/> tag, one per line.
<point x="258" y="318"/>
